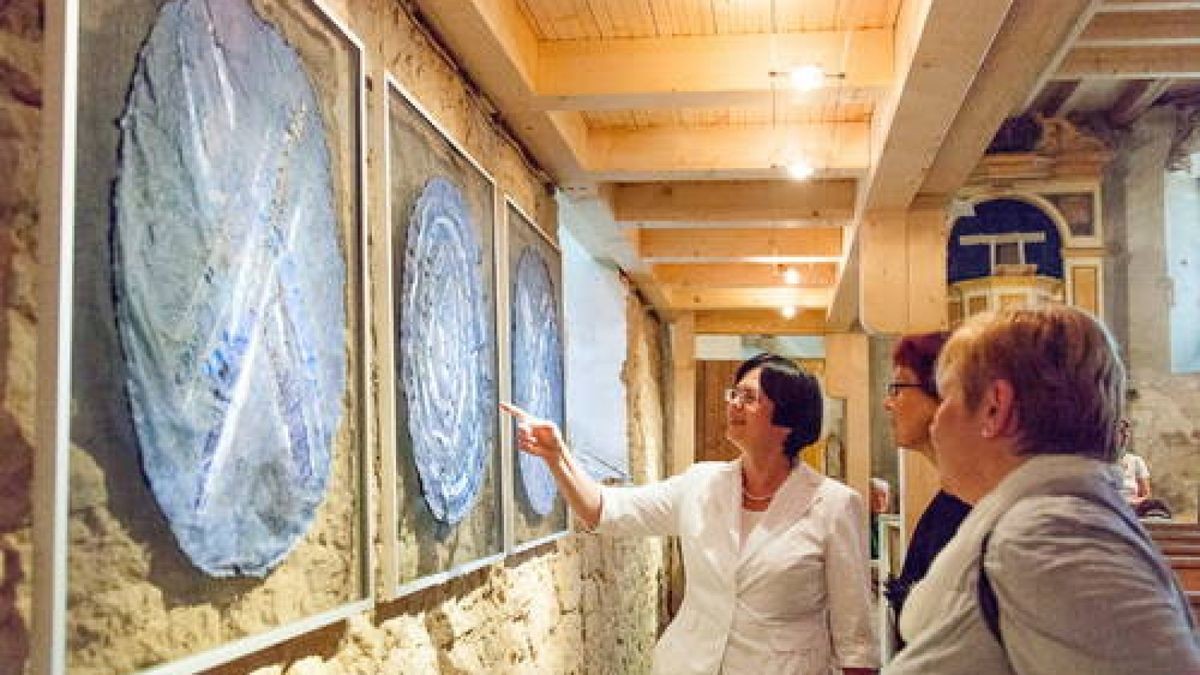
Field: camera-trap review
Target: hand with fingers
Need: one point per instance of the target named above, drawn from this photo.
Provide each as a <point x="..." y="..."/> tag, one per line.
<point x="536" y="436"/>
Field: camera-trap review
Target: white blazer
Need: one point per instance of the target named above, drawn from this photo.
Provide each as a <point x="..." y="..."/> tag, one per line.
<point x="794" y="600"/>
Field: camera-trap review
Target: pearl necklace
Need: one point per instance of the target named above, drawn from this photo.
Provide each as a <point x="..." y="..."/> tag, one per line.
<point x="755" y="498"/>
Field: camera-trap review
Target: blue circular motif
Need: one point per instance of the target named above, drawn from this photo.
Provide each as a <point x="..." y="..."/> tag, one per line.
<point x="537" y="365"/>
<point x="446" y="352"/>
<point x="229" y="283"/>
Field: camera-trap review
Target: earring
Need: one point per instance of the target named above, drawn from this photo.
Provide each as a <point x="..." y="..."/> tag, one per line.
<point x="987" y="431"/>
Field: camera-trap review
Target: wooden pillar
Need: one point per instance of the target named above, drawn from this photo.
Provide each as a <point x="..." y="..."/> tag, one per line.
<point x="903" y="282"/>
<point x="683" y="392"/>
<point x="847" y="376"/>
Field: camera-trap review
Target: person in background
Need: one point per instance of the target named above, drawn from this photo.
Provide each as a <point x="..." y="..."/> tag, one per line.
<point x="1135" y="483"/>
<point x="775" y="554"/>
<point x="881" y="502"/>
<point x="912" y="398"/>
<point x="1051" y="572"/>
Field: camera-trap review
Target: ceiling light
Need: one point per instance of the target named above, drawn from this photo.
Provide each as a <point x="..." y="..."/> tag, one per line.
<point x="791" y="277"/>
<point x="798" y="169"/>
<point x="787" y="312"/>
<point x="807" y="78"/>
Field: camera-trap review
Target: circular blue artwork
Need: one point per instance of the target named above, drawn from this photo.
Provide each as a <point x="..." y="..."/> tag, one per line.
<point x="537" y="365"/>
<point x="229" y="284"/>
<point x="446" y="352"/>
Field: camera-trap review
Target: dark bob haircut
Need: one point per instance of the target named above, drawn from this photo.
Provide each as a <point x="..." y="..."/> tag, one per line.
<point x="796" y="394"/>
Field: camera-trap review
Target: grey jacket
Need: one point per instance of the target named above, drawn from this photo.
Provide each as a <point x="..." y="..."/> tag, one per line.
<point x="1081" y="588"/>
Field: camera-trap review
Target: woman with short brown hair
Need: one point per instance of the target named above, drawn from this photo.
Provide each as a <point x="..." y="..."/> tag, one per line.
<point x="1051" y="572"/>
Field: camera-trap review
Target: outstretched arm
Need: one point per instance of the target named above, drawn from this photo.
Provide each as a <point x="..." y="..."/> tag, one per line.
<point x="541" y="438"/>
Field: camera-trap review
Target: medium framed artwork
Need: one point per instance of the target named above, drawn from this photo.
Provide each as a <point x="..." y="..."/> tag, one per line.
<point x="206" y="428"/>
<point x="442" y="487"/>
<point x="536" y="382"/>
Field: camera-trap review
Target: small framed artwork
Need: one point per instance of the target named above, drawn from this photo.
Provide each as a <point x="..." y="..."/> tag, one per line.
<point x="536" y="372"/>
<point x="442" y="487"/>
<point x="205" y="435"/>
<point x="1080" y="213"/>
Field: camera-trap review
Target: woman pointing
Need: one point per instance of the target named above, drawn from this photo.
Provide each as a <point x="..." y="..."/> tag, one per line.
<point x="775" y="554"/>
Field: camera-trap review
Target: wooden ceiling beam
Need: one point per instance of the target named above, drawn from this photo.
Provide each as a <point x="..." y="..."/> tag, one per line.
<point x="754" y="151"/>
<point x="944" y="43"/>
<point x="1162" y="29"/>
<point x="733" y="275"/>
<point x="491" y="40"/>
<point x="815" y="201"/>
<point x="816" y="244"/>
<point x="1065" y="96"/>
<point x="1028" y="46"/>
<point x="760" y="322"/>
<point x="1148" y="5"/>
<point x="702" y="71"/>
<point x="691" y="299"/>
<point x="1131" y="63"/>
<point x="1136" y="98"/>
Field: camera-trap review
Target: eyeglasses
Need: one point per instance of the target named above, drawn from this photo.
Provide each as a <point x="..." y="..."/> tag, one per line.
<point x="893" y="388"/>
<point x="742" y="396"/>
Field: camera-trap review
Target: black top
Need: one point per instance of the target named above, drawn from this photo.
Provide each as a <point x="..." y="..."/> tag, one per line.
<point x="933" y="531"/>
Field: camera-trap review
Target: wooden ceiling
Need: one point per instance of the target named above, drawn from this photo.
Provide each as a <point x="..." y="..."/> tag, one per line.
<point x="672" y="122"/>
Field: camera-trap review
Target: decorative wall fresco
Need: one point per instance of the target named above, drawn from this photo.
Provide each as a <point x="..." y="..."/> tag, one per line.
<point x="229" y="282"/>
<point x="445" y="352"/>
<point x="537" y="370"/>
<point x="443" y="509"/>
<point x="217" y="408"/>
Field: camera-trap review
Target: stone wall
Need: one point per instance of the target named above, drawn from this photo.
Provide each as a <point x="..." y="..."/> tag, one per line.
<point x="582" y="604"/>
<point x="1139" y="296"/>
<point x="21" y="33"/>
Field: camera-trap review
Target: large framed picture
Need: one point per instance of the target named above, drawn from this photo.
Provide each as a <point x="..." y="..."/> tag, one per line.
<point x="442" y="486"/>
<point x="536" y="372"/>
<point x="203" y="493"/>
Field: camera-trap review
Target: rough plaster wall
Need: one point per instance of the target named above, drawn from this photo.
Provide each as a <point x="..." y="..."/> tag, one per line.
<point x="1167" y="407"/>
<point x="20" y="117"/>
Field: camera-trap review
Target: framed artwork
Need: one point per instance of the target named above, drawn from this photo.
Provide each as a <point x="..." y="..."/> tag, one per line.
<point x="443" y="511"/>
<point x="536" y="372"/>
<point x="208" y="422"/>
<point x="1080" y="213"/>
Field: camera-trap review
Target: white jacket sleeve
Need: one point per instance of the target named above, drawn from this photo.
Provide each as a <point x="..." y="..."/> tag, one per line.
<point x="643" y="510"/>
<point x="847" y="578"/>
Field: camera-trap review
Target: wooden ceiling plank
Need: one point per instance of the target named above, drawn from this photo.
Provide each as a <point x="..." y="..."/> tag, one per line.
<point x="682" y="17"/>
<point x="612" y="153"/>
<point x="562" y="19"/>
<point x="624" y="18"/>
<point x="732" y="201"/>
<point x="760" y="322"/>
<point x="1117" y="29"/>
<point x="1136" y="98"/>
<point x="766" y="244"/>
<point x="681" y="299"/>
<point x="732" y="275"/>
<point x="698" y="71"/>
<point x="1131" y="63"/>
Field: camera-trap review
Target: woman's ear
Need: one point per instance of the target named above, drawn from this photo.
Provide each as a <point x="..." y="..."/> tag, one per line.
<point x="1000" y="410"/>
